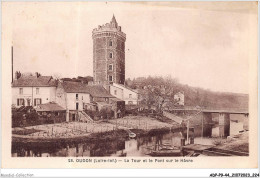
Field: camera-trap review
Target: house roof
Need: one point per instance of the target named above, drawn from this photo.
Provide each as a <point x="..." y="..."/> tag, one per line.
<point x="123" y="86"/>
<point x="116" y="99"/>
<point x="93" y="90"/>
<point x="51" y="106"/>
<point x="33" y="81"/>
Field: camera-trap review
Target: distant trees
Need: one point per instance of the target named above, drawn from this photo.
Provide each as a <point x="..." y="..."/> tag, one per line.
<point x="85" y="80"/>
<point x="159" y="91"/>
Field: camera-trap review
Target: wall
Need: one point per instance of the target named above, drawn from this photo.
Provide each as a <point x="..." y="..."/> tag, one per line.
<point x="119" y="92"/>
<point x="123" y="94"/>
<point x="71" y="98"/>
<point x="101" y="99"/>
<point x="61" y="97"/>
<point x="47" y="94"/>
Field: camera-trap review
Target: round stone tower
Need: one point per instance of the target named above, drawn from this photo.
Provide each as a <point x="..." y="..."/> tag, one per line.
<point x="109" y="53"/>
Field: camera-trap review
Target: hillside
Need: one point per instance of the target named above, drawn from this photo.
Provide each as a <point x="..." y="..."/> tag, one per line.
<point x="194" y="96"/>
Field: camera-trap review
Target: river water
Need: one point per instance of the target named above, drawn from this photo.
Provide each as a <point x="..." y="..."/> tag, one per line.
<point x="132" y="147"/>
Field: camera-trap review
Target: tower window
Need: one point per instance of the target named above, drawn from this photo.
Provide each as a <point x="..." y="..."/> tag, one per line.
<point x="110" y="67"/>
<point x="110" y="43"/>
<point x="110" y="55"/>
<point x="110" y="78"/>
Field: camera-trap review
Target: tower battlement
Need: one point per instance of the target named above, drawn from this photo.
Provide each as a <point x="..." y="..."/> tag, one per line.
<point x="111" y="28"/>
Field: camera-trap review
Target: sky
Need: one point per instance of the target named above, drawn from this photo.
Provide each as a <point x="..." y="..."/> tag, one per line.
<point x="205" y="45"/>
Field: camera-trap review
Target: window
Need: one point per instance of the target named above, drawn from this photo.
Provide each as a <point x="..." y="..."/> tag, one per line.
<point x="20" y="102"/>
<point x="115" y="92"/>
<point x="110" y="67"/>
<point x="20" y="91"/>
<point x="110" y="78"/>
<point x="130" y="102"/>
<point x="77" y="96"/>
<point x="110" y="55"/>
<point x="82" y="98"/>
<point x="37" y="101"/>
<point x="130" y="95"/>
<point x="37" y="91"/>
<point x="110" y="43"/>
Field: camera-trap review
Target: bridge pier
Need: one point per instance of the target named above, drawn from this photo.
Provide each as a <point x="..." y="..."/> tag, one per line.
<point x="206" y="125"/>
<point x="224" y="124"/>
<point x="246" y="122"/>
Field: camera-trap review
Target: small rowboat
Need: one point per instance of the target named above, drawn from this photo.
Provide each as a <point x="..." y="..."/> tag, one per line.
<point x="132" y="135"/>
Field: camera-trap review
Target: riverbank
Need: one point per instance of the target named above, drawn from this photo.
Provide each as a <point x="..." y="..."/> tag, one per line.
<point x="239" y="142"/>
<point x="91" y="132"/>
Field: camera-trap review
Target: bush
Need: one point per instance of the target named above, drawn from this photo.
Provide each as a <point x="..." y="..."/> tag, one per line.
<point x="17" y="119"/>
<point x="23" y="119"/>
<point x="106" y="113"/>
<point x="91" y="113"/>
<point x="32" y="117"/>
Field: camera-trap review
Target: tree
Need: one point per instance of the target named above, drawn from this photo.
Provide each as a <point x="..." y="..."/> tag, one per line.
<point x="57" y="76"/>
<point x="159" y="91"/>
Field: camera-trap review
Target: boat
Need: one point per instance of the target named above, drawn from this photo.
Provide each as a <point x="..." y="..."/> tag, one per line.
<point x="166" y="153"/>
<point x="122" y="155"/>
<point x="132" y="135"/>
<point x="167" y="148"/>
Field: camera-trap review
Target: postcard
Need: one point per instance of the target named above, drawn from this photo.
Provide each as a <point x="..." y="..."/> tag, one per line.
<point x="129" y="85"/>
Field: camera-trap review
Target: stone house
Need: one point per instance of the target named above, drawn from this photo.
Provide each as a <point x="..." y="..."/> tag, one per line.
<point x="33" y="90"/>
<point x="76" y="97"/>
<point x="179" y="98"/>
<point x="130" y="96"/>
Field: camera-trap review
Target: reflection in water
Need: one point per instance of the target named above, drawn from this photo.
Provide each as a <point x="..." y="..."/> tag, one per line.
<point x="132" y="147"/>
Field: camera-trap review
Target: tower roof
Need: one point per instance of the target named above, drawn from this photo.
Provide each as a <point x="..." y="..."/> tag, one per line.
<point x="113" y="21"/>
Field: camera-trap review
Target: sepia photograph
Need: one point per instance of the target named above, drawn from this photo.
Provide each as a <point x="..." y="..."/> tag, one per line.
<point x="130" y="79"/>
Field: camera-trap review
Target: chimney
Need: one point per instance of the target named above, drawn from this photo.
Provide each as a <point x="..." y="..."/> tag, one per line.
<point x="17" y="75"/>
